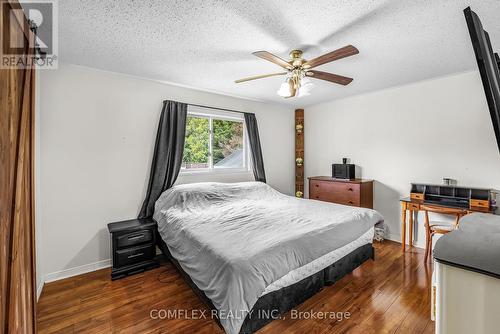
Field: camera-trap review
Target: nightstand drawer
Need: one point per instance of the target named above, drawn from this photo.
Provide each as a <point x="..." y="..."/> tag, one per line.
<point x="133" y="238"/>
<point x="134" y="255"/>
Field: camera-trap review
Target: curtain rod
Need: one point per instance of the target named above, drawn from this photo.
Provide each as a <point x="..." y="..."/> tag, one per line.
<point x="223" y="109"/>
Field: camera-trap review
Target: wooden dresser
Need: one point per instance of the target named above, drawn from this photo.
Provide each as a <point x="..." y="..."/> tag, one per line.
<point x="356" y="192"/>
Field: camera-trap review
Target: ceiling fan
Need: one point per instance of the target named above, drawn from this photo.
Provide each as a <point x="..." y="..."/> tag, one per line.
<point x="298" y="69"/>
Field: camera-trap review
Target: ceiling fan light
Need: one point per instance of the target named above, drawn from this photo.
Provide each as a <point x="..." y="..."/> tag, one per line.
<point x="284" y="90"/>
<point x="305" y="88"/>
<point x="303" y="92"/>
<point x="307" y="83"/>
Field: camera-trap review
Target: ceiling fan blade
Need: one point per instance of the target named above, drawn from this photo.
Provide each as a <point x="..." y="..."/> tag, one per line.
<point x="346" y="51"/>
<point x="273" y="59"/>
<point x="335" y="78"/>
<point x="260" y="77"/>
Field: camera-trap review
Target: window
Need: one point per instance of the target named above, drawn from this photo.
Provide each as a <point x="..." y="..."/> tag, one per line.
<point x="215" y="142"/>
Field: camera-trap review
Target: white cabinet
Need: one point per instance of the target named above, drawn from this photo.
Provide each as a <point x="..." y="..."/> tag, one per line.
<point x="466" y="301"/>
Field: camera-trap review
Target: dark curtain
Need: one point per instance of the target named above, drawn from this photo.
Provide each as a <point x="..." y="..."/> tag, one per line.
<point x="167" y="156"/>
<point x="253" y="137"/>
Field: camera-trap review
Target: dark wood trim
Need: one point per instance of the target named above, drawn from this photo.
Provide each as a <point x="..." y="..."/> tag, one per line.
<point x="299" y="153"/>
<point x="17" y="216"/>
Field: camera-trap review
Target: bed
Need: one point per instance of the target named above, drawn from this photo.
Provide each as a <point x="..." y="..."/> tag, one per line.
<point x="252" y="253"/>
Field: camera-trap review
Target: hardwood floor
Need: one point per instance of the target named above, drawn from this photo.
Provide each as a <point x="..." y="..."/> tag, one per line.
<point x="388" y="295"/>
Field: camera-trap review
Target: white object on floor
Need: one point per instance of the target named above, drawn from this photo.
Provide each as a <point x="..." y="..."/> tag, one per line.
<point x="466" y="301"/>
<point x="379" y="234"/>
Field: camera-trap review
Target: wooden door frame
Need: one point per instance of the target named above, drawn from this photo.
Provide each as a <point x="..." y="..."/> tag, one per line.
<point x="19" y="145"/>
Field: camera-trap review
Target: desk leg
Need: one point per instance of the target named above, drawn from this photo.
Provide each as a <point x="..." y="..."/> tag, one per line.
<point x="410" y="227"/>
<point x="403" y="226"/>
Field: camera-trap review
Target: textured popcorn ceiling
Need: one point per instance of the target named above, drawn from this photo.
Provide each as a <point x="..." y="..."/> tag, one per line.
<point x="207" y="44"/>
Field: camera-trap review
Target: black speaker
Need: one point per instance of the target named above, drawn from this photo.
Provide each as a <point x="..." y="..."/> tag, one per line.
<point x="343" y="171"/>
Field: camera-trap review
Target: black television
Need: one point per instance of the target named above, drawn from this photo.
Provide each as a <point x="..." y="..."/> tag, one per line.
<point x="489" y="67"/>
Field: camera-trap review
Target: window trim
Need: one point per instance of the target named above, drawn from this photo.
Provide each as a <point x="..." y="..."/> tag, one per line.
<point x="211" y="114"/>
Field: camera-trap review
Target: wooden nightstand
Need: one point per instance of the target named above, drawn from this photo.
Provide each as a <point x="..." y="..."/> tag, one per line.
<point x="133" y="246"/>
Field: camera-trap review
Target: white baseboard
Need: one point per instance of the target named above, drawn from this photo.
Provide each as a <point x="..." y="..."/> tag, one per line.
<point x="55" y="276"/>
<point x="397" y="238"/>
<point x="393" y="237"/>
<point x="86" y="268"/>
<point x="39" y="290"/>
<point x="58" y="275"/>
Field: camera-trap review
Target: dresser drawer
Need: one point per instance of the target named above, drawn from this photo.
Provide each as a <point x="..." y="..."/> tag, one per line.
<point x="315" y="190"/>
<point x="132" y="255"/>
<point x="355" y="192"/>
<point x="344" y="200"/>
<point x="336" y="192"/>
<point x="351" y="202"/>
<point x="338" y="187"/>
<point x="133" y="238"/>
<point x="319" y="189"/>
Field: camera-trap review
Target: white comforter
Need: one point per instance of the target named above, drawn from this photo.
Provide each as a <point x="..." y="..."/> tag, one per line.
<point x="234" y="240"/>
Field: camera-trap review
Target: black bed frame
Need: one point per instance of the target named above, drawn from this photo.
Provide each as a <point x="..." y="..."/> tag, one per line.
<point x="284" y="299"/>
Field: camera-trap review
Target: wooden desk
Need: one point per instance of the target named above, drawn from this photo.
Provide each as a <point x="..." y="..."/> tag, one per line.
<point x="414" y="205"/>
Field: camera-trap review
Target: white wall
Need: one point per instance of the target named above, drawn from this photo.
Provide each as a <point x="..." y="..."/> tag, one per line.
<point x="415" y="133"/>
<point x="97" y="131"/>
<point x="97" y="136"/>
